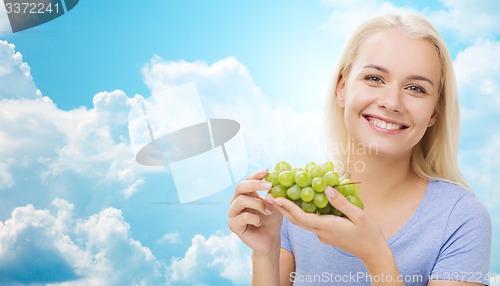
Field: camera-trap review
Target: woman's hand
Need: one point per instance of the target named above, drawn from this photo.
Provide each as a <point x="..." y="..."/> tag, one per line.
<point x="356" y="234"/>
<point x="252" y="218"/>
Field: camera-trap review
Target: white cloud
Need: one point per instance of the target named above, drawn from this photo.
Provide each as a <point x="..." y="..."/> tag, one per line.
<point x="52" y="247"/>
<point x="171" y="238"/>
<point x="483" y="169"/>
<point x="6" y="180"/>
<point x="132" y="188"/>
<point x="478" y="75"/>
<point x="29" y="248"/>
<point x="27" y="133"/>
<point x="225" y="254"/>
<point x="15" y="76"/>
<point x="348" y="15"/>
<point x="88" y="143"/>
<point x="93" y="145"/>
<point x="122" y="259"/>
<point x="481" y="18"/>
<point x="44" y="246"/>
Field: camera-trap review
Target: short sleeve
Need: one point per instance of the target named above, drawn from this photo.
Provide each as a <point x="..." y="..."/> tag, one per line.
<point x="285" y="238"/>
<point x="465" y="253"/>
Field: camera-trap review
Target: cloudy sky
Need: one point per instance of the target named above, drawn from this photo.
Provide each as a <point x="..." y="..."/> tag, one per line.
<point x="77" y="209"/>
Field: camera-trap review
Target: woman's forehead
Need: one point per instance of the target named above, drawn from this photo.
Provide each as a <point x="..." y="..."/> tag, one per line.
<point x="399" y="54"/>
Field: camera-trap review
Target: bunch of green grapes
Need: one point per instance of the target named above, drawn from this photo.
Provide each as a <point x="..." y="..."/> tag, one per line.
<point x="306" y="186"/>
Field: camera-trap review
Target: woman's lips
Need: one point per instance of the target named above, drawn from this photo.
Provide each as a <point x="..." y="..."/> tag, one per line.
<point x="387" y="125"/>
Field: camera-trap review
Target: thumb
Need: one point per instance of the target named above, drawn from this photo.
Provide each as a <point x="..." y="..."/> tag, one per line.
<point x="338" y="201"/>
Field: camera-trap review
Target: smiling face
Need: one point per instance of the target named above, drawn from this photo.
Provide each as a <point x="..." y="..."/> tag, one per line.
<point x="390" y="95"/>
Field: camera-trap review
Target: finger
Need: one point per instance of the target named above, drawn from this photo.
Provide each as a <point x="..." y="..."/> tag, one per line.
<point x="245" y="202"/>
<point x="259" y="175"/>
<point x="293" y="212"/>
<point x="238" y="224"/>
<point x="248" y="187"/>
<point x="338" y="201"/>
<point x="302" y="218"/>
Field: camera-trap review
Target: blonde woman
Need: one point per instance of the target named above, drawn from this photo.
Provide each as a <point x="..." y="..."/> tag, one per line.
<point x="394" y="94"/>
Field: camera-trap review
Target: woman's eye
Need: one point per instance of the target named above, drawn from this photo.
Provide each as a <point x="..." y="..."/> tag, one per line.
<point x="375" y="79"/>
<point x="416" y="88"/>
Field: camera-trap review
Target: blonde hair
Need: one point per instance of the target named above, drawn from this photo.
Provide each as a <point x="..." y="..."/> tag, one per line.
<point x="435" y="156"/>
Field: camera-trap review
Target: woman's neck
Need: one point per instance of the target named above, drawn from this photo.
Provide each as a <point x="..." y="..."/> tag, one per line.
<point x="381" y="176"/>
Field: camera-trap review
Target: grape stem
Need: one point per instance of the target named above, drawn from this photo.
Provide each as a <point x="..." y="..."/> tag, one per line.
<point x="350" y="183"/>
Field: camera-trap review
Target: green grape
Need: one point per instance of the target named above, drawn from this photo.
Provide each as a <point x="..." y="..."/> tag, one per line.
<point x="306" y="186"/>
<point x="278" y="191"/>
<point x="282" y="166"/>
<point x="309" y="165"/>
<point x="343" y="189"/>
<point x="318" y="184"/>
<point x="327" y="167"/>
<point x="320" y="200"/>
<point x="355" y="189"/>
<point x="286" y="178"/>
<point x="303" y="179"/>
<point x="344" y="181"/>
<point x="325" y="210"/>
<point x="331" y="178"/>
<point x="308" y="207"/>
<point x="355" y="200"/>
<point x="315" y="171"/>
<point x="272" y="176"/>
<point x="293" y="193"/>
<point x="307" y="194"/>
<point x="344" y="186"/>
<point x="296" y="170"/>
<point x="337" y="212"/>
<point x="350" y="189"/>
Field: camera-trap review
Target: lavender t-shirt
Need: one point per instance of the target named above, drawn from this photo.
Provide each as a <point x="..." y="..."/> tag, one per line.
<point x="448" y="237"/>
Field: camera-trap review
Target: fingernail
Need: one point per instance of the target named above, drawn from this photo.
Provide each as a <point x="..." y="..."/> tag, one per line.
<point x="268" y="211"/>
<point x="330" y="192"/>
<point x="263" y="171"/>
<point x="264" y="185"/>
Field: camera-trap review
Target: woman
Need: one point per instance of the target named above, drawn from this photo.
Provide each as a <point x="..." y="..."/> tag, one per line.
<point x="394" y="94"/>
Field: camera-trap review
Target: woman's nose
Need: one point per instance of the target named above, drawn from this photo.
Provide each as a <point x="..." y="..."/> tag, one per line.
<point x="390" y="100"/>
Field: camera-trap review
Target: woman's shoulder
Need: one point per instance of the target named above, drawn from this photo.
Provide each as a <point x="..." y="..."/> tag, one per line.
<point x="456" y="200"/>
<point x="441" y="189"/>
<point x="444" y="185"/>
<point x="464" y="226"/>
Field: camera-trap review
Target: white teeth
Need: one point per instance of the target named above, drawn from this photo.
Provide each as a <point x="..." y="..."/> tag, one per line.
<point x="384" y="125"/>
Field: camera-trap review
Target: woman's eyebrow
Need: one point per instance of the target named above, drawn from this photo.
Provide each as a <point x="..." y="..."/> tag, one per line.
<point x="413" y="77"/>
<point x="377" y="67"/>
<point x="422" y="78"/>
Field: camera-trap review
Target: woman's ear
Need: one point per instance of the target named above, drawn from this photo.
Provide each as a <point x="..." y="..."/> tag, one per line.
<point x="339" y="92"/>
<point x="434" y="116"/>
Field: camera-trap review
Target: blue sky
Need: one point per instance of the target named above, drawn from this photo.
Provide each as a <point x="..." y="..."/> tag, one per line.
<point x="76" y="207"/>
